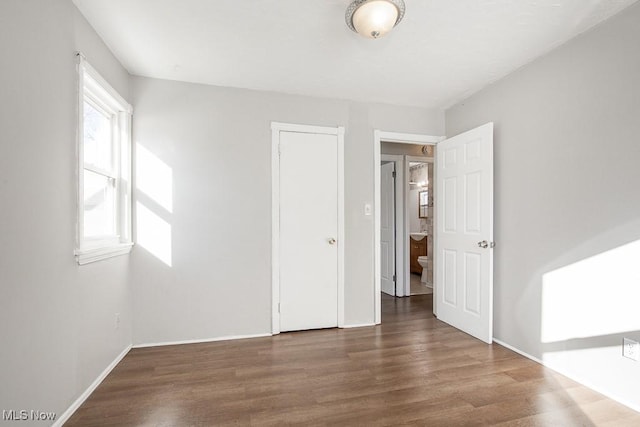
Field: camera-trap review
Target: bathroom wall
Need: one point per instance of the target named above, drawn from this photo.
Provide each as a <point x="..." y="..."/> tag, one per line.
<point x="418" y="173"/>
<point x="413" y="150"/>
<point x="430" y="220"/>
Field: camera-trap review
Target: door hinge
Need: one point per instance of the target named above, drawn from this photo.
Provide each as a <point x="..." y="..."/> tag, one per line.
<point x="393" y="174"/>
<point x="394" y="277"/>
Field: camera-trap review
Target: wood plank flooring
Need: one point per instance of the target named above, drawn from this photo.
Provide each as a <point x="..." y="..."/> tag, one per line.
<point x="411" y="370"/>
<point x="417" y="287"/>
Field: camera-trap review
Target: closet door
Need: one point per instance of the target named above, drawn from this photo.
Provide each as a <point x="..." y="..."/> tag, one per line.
<point x="308" y="212"/>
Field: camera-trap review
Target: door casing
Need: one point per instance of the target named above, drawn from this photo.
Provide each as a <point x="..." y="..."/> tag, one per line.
<point x="276" y="128"/>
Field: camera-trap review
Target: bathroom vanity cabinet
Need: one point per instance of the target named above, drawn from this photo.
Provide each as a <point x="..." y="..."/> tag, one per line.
<point x="416" y="248"/>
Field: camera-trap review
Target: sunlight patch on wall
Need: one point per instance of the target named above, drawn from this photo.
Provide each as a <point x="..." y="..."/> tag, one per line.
<point x="596" y="296"/>
<point x="154" y="177"/>
<point x="153" y="233"/>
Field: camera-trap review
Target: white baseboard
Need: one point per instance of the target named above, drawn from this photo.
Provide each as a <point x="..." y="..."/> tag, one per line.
<point x="520" y="352"/>
<point x="80" y="400"/>
<point x="360" y="325"/>
<point x="571" y="377"/>
<point x="199" y="341"/>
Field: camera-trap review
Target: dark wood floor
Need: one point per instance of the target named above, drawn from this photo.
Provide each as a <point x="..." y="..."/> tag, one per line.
<point x="411" y="370"/>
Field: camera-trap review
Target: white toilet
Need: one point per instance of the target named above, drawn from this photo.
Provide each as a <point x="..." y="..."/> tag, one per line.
<point x="424" y="262"/>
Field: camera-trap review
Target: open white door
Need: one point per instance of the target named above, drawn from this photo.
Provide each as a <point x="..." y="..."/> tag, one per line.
<point x="464" y="233"/>
<point x="387" y="229"/>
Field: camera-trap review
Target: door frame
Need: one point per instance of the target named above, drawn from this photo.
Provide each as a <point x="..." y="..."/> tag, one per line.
<point x="403" y="138"/>
<point x="398" y="195"/>
<point x="276" y="128"/>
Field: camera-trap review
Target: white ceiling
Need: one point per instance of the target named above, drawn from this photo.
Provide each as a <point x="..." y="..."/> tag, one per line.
<point x="441" y="52"/>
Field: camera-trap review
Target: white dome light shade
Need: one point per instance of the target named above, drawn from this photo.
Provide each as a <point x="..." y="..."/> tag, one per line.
<point x="374" y="18"/>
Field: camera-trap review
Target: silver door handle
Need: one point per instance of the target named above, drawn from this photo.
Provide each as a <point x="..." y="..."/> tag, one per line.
<point x="331" y="240"/>
<point x="484" y="244"/>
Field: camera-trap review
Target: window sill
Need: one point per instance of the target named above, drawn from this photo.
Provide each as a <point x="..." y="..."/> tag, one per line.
<point x="86" y="256"/>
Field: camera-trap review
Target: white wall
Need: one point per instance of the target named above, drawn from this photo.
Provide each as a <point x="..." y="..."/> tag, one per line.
<point x="567" y="205"/>
<point x="217" y="144"/>
<point x="57" y="327"/>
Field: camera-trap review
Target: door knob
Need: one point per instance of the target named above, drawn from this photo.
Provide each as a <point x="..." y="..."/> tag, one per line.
<point x="484" y="244"/>
<point x="331" y="240"/>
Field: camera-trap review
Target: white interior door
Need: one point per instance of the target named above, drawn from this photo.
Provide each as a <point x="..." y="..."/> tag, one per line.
<point x="464" y="234"/>
<point x="308" y="231"/>
<point x="387" y="229"/>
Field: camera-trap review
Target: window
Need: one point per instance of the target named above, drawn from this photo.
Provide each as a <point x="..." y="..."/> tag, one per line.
<point x="104" y="169"/>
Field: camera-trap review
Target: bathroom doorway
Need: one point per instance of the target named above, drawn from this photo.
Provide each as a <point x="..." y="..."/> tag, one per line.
<point x="419" y="205"/>
<point x="412" y="157"/>
<point x="462" y="224"/>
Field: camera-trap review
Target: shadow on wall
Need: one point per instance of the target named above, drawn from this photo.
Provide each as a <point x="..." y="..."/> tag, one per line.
<point x="154" y="204"/>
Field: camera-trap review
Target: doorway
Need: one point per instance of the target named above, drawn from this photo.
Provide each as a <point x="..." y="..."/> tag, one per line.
<point x="402" y="276"/>
<point x="307" y="227"/>
<point x="463" y="224"/>
<point x="420" y="210"/>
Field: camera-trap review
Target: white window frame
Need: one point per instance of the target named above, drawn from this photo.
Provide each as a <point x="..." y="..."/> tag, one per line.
<point x="98" y="92"/>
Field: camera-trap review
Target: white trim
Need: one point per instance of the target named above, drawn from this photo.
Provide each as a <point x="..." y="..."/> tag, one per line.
<point x="434" y="227"/>
<point x="571" y="377"/>
<point x="401" y="279"/>
<point x="80" y="156"/>
<point x="359" y="325"/>
<point x="125" y="193"/>
<point x="341" y="232"/>
<point x="80" y="400"/>
<point x="409" y="138"/>
<point x="276" y="128"/>
<point x="378" y="137"/>
<point x="377" y="185"/>
<point x="520" y="352"/>
<point x="104" y="85"/>
<point x="290" y="127"/>
<point x="86" y="256"/>
<point x="203" y="340"/>
<point x="275" y="230"/>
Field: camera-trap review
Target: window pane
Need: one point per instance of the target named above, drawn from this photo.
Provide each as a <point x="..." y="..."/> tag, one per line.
<point x="99" y="205"/>
<point x="97" y="137"/>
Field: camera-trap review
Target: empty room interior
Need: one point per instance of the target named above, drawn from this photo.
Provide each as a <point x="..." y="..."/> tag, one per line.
<point x="320" y="212"/>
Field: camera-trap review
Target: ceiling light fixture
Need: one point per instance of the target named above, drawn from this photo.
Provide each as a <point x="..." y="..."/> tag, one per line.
<point x="374" y="18"/>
